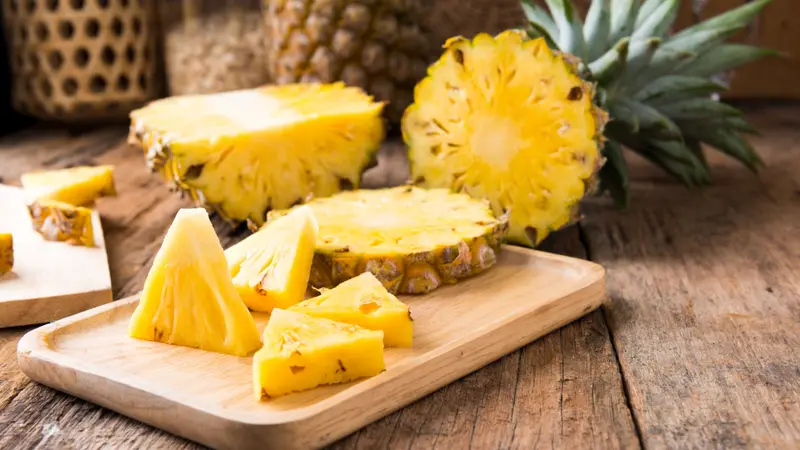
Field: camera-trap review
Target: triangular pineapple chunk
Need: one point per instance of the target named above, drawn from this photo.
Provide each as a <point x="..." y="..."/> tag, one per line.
<point x="6" y="252"/>
<point x="270" y="268"/>
<point x="59" y="221"/>
<point x="78" y="186"/>
<point x="188" y="298"/>
<point x="364" y="301"/>
<point x="301" y="352"/>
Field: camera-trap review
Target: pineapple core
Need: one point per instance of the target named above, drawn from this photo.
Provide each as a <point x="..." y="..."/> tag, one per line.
<point x="301" y="352"/>
<point x="6" y="252"/>
<point x="365" y="302"/>
<point x="78" y="186"/>
<point x="188" y="298"/>
<point x="270" y="268"/>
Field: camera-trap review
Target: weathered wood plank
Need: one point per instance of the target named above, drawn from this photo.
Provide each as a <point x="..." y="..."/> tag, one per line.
<point x="705" y="299"/>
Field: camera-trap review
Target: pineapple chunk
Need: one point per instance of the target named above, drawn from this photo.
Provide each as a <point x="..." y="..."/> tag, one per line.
<point x="270" y="268"/>
<point x="301" y="352"/>
<point x="365" y="302"/>
<point x="78" y="186"/>
<point x="58" y="221"/>
<point x="188" y="298"/>
<point x="6" y="253"/>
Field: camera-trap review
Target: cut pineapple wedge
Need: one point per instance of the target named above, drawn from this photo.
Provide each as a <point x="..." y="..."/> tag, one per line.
<point x="188" y="298"/>
<point x="301" y="352"/>
<point x="365" y="302"/>
<point x="6" y="252"/>
<point x="59" y="221"/>
<point x="270" y="268"/>
<point x="78" y="186"/>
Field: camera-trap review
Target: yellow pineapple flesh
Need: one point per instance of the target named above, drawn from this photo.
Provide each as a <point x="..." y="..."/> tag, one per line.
<point x="413" y="240"/>
<point x="78" y="186"/>
<point x="242" y="153"/>
<point x="365" y="302"/>
<point x="270" y="268"/>
<point x="188" y="297"/>
<point x="59" y="221"/>
<point x="6" y="252"/>
<point x="301" y="352"/>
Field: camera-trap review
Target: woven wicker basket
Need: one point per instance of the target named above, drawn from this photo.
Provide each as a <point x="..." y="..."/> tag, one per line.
<point x="81" y="60"/>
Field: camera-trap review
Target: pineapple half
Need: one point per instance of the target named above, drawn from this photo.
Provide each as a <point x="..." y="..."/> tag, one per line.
<point x="506" y="119"/>
<point x="78" y="186"/>
<point x="413" y="240"/>
<point x="6" y="252"/>
<point x="365" y="302"/>
<point x="188" y="297"/>
<point x="59" y="221"/>
<point x="270" y="268"/>
<point x="301" y="352"/>
<point x="242" y="153"/>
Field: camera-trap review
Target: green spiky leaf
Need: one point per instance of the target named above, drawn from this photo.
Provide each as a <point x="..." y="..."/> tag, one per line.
<point x="570" y="33"/>
<point x="724" y="57"/>
<point x="623" y="19"/>
<point x="614" y="175"/>
<point x="698" y="108"/>
<point x="596" y="30"/>
<point x="732" y="20"/>
<point x="611" y="64"/>
<point x="659" y="21"/>
<point x="646" y="10"/>
<point x="537" y="15"/>
<point x="638" y="117"/>
<point x="728" y="142"/>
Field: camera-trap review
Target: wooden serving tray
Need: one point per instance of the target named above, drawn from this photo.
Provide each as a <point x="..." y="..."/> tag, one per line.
<point x="50" y="280"/>
<point x="208" y="398"/>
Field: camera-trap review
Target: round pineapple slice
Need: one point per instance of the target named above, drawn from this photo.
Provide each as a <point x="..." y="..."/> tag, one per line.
<point x="413" y="240"/>
<point x="508" y="120"/>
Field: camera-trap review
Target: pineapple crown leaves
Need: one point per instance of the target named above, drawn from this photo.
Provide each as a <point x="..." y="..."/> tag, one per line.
<point x="658" y="86"/>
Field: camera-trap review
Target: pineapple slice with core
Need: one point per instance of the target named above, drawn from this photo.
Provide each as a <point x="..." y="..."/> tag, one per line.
<point x="242" y="153"/>
<point x="59" y="221"/>
<point x="301" y="352"/>
<point x="188" y="297"/>
<point x="363" y="301"/>
<point x="270" y="268"/>
<point x="6" y="252"/>
<point x="78" y="186"/>
<point x="413" y="240"/>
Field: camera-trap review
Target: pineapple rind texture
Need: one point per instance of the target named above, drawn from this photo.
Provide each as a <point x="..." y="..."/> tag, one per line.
<point x="6" y="252"/>
<point x="58" y="221"/>
<point x="243" y="153"/>
<point x="78" y="186"/>
<point x="188" y="297"/>
<point x="301" y="352"/>
<point x="506" y="119"/>
<point x="413" y="240"/>
<point x="270" y="268"/>
<point x="365" y="302"/>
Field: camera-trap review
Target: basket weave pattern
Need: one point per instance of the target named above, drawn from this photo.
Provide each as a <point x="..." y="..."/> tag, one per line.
<point x="74" y="60"/>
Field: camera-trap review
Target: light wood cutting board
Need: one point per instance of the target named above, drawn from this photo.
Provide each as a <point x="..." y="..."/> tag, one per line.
<point x="207" y="397"/>
<point x="50" y="280"/>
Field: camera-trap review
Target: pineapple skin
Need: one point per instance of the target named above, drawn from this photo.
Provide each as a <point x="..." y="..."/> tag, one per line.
<point x="407" y="272"/>
<point x="6" y="252"/>
<point x="78" y="186"/>
<point x="533" y="215"/>
<point x="57" y="221"/>
<point x="301" y="352"/>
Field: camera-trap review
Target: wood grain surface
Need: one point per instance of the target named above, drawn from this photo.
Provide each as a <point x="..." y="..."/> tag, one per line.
<point x="715" y="372"/>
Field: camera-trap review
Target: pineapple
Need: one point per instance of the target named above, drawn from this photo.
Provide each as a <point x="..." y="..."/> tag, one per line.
<point x="511" y="118"/>
<point x="188" y="297"/>
<point x="77" y="186"/>
<point x="6" y="253"/>
<point x="59" y="221"/>
<point x="301" y="352"/>
<point x="378" y="45"/>
<point x="270" y="268"/>
<point x="242" y="153"/>
<point x="413" y="240"/>
<point x="363" y="301"/>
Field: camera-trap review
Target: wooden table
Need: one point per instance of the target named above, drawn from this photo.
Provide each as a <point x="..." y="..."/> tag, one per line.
<point x="698" y="345"/>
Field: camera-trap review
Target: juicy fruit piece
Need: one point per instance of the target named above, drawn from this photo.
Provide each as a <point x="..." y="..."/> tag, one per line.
<point x="242" y="153"/>
<point x="188" y="297"/>
<point x="363" y="301"/>
<point x="301" y="352"/>
<point x="413" y="240"/>
<point x="508" y="120"/>
<point x="78" y="186"/>
<point x="270" y="268"/>
<point x="6" y="252"/>
<point x="59" y="221"/>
